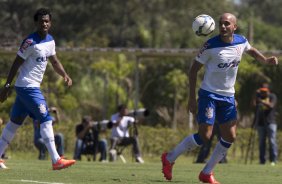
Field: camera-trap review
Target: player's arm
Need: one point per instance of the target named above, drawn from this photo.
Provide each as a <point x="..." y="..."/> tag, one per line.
<point x="12" y="73"/>
<point x="196" y="66"/>
<point x="261" y="58"/>
<point x="58" y="67"/>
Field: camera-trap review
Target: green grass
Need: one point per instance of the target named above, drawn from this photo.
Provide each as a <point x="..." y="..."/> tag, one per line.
<point x="35" y="171"/>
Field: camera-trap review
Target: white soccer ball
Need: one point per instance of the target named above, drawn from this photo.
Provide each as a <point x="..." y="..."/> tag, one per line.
<point x="203" y="25"/>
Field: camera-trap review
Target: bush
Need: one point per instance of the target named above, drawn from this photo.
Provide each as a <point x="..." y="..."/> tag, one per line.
<point x="153" y="140"/>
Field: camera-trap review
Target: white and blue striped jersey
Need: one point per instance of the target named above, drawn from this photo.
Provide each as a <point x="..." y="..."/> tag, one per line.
<point x="221" y="62"/>
<point x="35" y="51"/>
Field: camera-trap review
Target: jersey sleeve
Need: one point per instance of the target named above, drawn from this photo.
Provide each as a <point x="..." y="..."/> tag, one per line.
<point x="247" y="46"/>
<point x="25" y="48"/>
<point x="114" y="118"/>
<point x="53" y="49"/>
<point x="203" y="55"/>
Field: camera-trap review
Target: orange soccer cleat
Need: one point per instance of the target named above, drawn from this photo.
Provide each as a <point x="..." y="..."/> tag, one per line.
<point x="207" y="178"/>
<point x="167" y="167"/>
<point x="2" y="165"/>
<point x="62" y="164"/>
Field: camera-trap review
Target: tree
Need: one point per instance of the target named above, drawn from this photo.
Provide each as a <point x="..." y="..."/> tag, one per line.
<point x="177" y="81"/>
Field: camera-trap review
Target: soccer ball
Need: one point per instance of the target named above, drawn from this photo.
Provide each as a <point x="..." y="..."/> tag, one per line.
<point x="203" y="25"/>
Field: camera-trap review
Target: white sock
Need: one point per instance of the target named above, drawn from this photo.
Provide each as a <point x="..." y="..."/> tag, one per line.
<point x="188" y="144"/>
<point x="218" y="153"/>
<point x="46" y="131"/>
<point x="7" y="136"/>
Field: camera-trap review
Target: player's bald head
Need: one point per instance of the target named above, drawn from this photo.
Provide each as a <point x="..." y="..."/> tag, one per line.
<point x="229" y="16"/>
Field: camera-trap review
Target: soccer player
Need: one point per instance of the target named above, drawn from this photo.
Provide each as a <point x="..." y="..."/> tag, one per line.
<point x="31" y="61"/>
<point x="221" y="56"/>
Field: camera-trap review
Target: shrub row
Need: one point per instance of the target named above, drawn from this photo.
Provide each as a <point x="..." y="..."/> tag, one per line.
<point x="153" y="141"/>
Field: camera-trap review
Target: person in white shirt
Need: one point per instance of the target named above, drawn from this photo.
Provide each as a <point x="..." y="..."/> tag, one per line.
<point x="120" y="133"/>
<point x="221" y="56"/>
<point x="31" y="61"/>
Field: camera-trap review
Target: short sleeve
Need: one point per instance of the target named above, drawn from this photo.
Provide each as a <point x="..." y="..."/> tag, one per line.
<point x="203" y="55"/>
<point x="53" y="49"/>
<point x="247" y="46"/>
<point x="25" y="49"/>
<point x="114" y="118"/>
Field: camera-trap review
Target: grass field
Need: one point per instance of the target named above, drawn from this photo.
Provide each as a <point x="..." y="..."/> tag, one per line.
<point x="34" y="171"/>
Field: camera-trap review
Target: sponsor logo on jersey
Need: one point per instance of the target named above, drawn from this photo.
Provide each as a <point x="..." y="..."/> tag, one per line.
<point x="42" y="59"/>
<point x="227" y="65"/>
<point x="25" y="45"/>
<point x="209" y="112"/>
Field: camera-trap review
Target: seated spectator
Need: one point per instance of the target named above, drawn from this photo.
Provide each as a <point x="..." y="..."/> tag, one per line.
<point x="38" y="140"/>
<point x="88" y="142"/>
<point x="120" y="134"/>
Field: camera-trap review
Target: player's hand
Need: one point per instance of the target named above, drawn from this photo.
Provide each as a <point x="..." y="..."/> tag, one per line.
<point x="4" y="93"/>
<point x="272" y="60"/>
<point x="192" y="105"/>
<point x="68" y="80"/>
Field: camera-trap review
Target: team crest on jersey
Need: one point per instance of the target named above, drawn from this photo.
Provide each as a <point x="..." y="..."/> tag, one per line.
<point x="42" y="109"/>
<point x="25" y="45"/>
<point x="209" y="112"/>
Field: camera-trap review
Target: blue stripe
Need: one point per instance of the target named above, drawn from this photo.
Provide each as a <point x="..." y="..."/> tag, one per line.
<point x="225" y="143"/>
<point x="216" y="41"/>
<point x="198" y="139"/>
<point x="37" y="39"/>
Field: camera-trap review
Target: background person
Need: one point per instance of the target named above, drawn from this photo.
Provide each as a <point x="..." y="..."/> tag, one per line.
<point x="120" y="133"/>
<point x="266" y="123"/>
<point x="88" y="140"/>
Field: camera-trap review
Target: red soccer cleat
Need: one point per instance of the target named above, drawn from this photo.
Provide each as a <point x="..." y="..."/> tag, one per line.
<point x="62" y="164"/>
<point x="207" y="178"/>
<point x="167" y="167"/>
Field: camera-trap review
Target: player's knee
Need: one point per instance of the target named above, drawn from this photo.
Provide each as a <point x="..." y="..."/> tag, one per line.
<point x="233" y="138"/>
<point x="230" y="138"/>
<point x="205" y="136"/>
